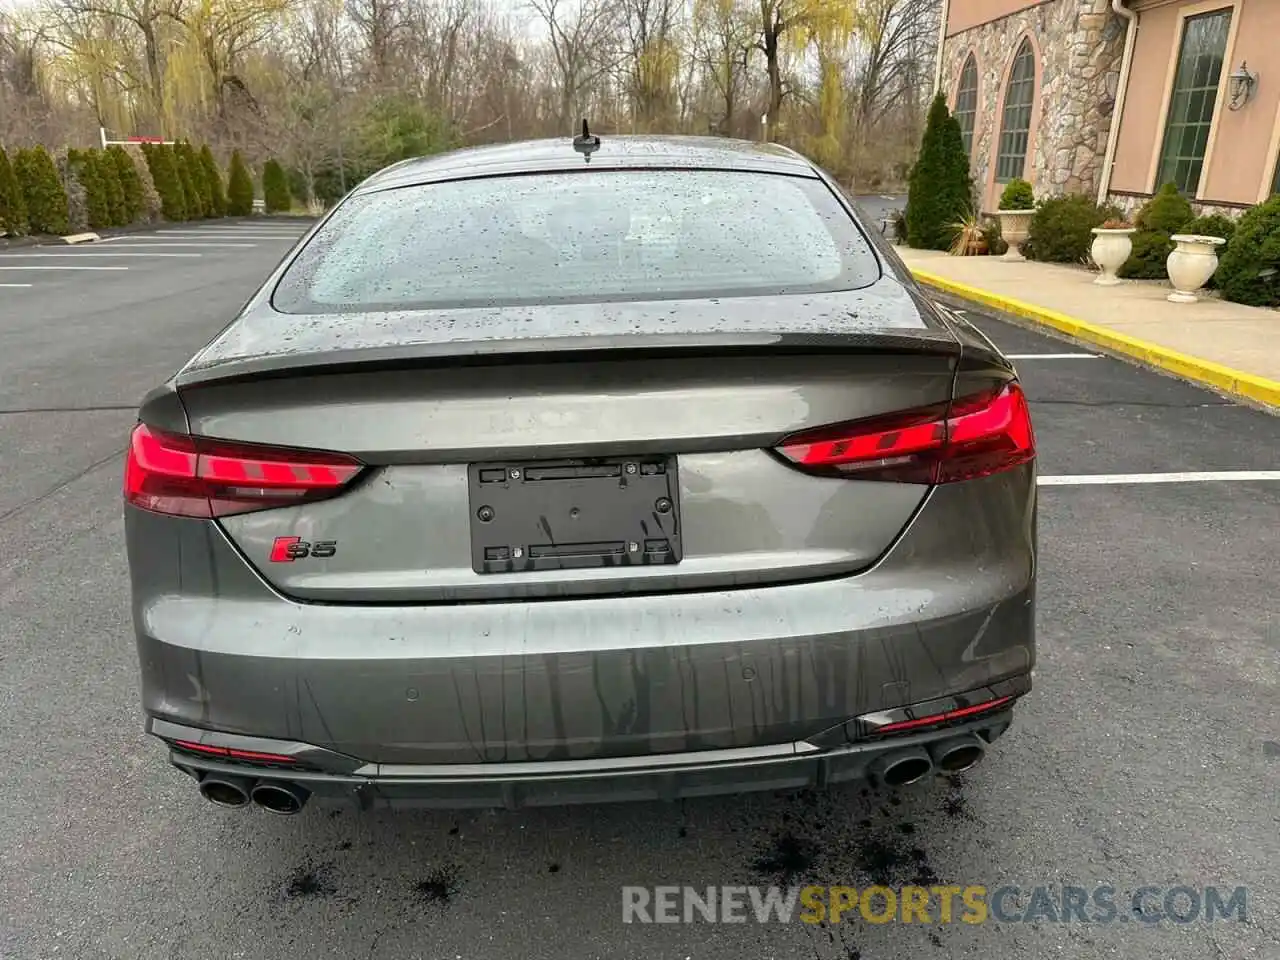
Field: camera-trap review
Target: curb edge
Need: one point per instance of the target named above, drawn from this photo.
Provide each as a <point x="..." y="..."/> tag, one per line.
<point x="1224" y="379"/>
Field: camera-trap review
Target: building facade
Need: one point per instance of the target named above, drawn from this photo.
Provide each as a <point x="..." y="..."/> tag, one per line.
<point x="1113" y="98"/>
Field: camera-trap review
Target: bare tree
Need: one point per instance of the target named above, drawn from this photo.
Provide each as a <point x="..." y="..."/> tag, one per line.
<point x="579" y="35"/>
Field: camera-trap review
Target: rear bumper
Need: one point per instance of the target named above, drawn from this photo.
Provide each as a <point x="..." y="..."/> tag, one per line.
<point x="335" y="778"/>
<point x="950" y="608"/>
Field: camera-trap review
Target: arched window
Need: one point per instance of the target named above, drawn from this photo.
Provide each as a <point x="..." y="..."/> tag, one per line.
<point x="1015" y="126"/>
<point x="967" y="102"/>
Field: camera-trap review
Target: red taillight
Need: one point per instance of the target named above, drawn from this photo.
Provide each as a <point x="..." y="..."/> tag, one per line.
<point x="951" y="716"/>
<point x="196" y="477"/>
<point x="974" y="437"/>
<point x="230" y="752"/>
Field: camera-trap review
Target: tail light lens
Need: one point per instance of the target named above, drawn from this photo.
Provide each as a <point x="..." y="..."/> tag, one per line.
<point x="971" y="437"/>
<point x="197" y="477"/>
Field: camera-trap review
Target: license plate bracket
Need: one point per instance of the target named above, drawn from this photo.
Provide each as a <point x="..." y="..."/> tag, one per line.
<point x="574" y="514"/>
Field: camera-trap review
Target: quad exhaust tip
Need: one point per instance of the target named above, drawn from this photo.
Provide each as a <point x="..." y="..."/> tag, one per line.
<point x="959" y="754"/>
<point x="225" y="791"/>
<point x="904" y="767"/>
<point x="284" y="799"/>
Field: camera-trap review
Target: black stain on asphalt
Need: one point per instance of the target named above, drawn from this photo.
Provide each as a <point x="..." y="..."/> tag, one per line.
<point x="553" y="868"/>
<point x="864" y="824"/>
<point x="440" y="885"/>
<point x="853" y="952"/>
<point x="935" y="939"/>
<point x="785" y="858"/>
<point x="896" y="800"/>
<point x="453" y="831"/>
<point x="682" y="832"/>
<point x="345" y="845"/>
<point x="907" y="828"/>
<point x="889" y="864"/>
<point x="955" y="805"/>
<point x="310" y="881"/>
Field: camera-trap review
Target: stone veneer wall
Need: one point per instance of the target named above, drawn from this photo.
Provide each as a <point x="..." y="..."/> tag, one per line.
<point x="1131" y="205"/>
<point x="1081" y="42"/>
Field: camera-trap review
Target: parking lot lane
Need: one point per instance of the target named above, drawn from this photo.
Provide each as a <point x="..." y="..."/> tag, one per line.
<point x="1141" y="757"/>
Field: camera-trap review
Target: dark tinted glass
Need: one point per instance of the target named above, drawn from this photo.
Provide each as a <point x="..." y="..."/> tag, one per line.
<point x="573" y="237"/>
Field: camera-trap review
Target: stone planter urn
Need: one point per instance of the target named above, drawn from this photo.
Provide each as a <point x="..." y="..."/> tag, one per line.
<point x="1191" y="265"/>
<point x="1111" y="248"/>
<point x="1015" y="227"/>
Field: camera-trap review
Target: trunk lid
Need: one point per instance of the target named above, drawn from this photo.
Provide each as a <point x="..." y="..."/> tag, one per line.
<point x="652" y="443"/>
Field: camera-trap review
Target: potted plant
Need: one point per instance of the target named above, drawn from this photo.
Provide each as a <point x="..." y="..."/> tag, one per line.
<point x="1191" y="264"/>
<point x="1017" y="206"/>
<point x="1112" y="244"/>
<point x="970" y="239"/>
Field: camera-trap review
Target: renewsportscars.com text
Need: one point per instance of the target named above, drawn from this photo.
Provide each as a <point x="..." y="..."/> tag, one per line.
<point x="974" y="904"/>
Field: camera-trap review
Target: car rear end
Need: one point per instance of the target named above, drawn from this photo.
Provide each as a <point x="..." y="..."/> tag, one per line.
<point x="597" y="483"/>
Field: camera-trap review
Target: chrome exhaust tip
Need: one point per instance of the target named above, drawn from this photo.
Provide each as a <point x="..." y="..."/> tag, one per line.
<point x="284" y="799"/>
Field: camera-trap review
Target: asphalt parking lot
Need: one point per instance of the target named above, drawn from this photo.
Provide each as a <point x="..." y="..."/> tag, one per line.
<point x="1148" y="754"/>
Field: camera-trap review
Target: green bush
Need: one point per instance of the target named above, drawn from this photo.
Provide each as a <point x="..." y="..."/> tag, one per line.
<point x="164" y="173"/>
<point x="1160" y="217"/>
<point x="941" y="189"/>
<point x="131" y="197"/>
<point x="1167" y="212"/>
<point x="275" y="188"/>
<point x="109" y="174"/>
<point x="1062" y="228"/>
<point x="151" y="205"/>
<point x="239" y="188"/>
<point x="13" y="207"/>
<point x="81" y="165"/>
<point x="1210" y="225"/>
<point x="1017" y="195"/>
<point x="213" y="177"/>
<point x="1149" y="259"/>
<point x="42" y="190"/>
<point x="200" y="179"/>
<point x="190" y="179"/>
<point x="1249" y="270"/>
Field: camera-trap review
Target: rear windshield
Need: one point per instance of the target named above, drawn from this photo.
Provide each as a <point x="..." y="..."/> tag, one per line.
<point x="579" y="237"/>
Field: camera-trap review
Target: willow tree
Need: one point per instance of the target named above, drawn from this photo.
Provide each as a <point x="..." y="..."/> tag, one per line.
<point x="794" y="24"/>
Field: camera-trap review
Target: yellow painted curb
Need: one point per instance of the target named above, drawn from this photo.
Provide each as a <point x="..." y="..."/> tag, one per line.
<point x="1224" y="379"/>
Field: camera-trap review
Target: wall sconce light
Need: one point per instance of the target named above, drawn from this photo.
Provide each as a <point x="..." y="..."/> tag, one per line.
<point x="1240" y="85"/>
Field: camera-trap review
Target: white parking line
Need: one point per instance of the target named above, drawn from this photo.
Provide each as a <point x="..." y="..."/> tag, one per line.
<point x="86" y="253"/>
<point x="1052" y="356"/>
<point x="15" y="284"/>
<point x="184" y="243"/>
<point x="224" y="233"/>
<point x="61" y="266"/>
<point x="1100" y="479"/>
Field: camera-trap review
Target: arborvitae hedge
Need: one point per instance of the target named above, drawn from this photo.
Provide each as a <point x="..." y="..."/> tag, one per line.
<point x="217" y="195"/>
<point x="190" y="190"/>
<point x="110" y="175"/>
<point x="941" y="190"/>
<point x="42" y="190"/>
<point x="199" y="178"/>
<point x="275" y="188"/>
<point x="13" y="206"/>
<point x="239" y="188"/>
<point x="164" y="173"/>
<point x="84" y="167"/>
<point x="131" y="199"/>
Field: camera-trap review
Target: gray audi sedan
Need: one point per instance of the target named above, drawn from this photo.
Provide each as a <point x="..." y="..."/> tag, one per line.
<point x="603" y="468"/>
